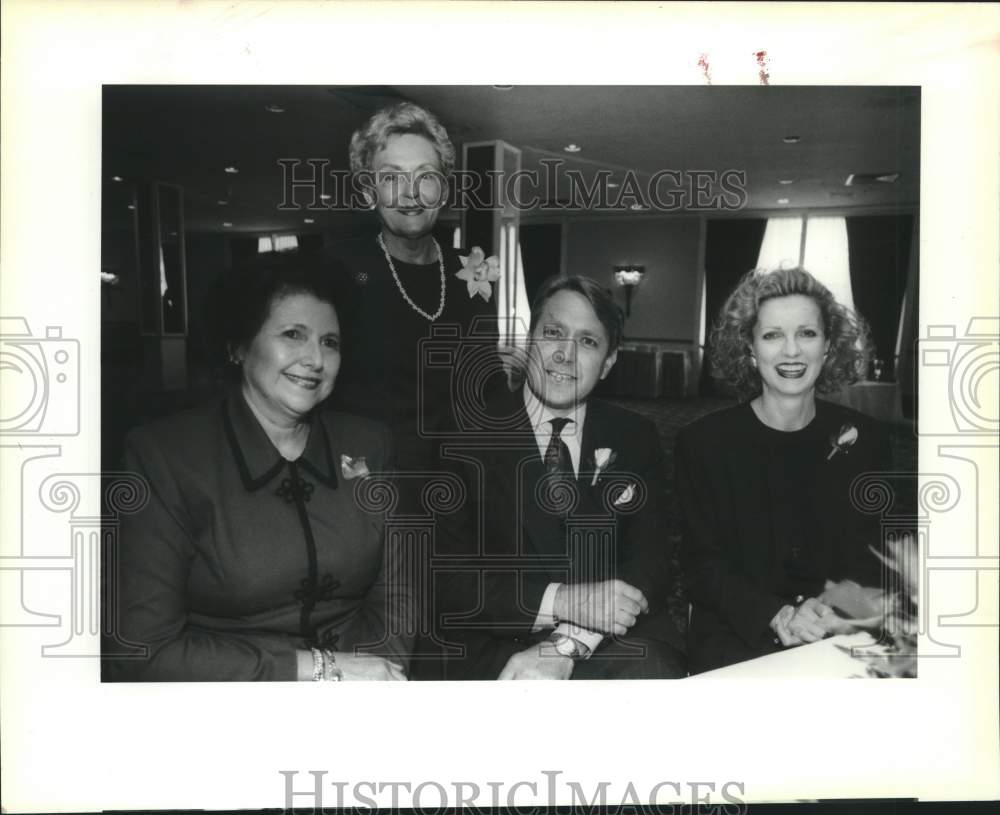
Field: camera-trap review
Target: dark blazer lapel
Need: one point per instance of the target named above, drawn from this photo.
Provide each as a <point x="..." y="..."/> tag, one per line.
<point x="592" y="433"/>
<point x="517" y="470"/>
<point x="596" y="434"/>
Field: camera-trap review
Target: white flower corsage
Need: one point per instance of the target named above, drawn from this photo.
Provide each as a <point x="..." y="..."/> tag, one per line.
<point x="353" y="467"/>
<point x="604" y="457"/>
<point x="478" y="271"/>
<point x="625" y="496"/>
<point x="846" y="437"/>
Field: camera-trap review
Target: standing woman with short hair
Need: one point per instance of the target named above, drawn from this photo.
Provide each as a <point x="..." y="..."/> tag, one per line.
<point x="419" y="322"/>
<point x="404" y="289"/>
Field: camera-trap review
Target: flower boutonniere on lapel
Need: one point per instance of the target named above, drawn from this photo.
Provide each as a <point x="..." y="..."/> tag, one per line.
<point x="351" y="468"/>
<point x="478" y="272"/>
<point x="625" y="496"/>
<point x="845" y="438"/>
<point x="604" y="457"/>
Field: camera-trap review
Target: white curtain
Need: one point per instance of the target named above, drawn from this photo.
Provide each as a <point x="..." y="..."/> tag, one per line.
<point x="781" y="245"/>
<point x="513" y="308"/>
<point x="826" y="256"/>
<point x="285" y="243"/>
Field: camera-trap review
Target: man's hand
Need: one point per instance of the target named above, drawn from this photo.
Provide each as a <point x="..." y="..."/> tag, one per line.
<point x="537" y="662"/>
<point x="610" y="606"/>
<point x="805" y="623"/>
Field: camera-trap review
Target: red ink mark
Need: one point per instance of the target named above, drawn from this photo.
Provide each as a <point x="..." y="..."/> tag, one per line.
<point x="762" y="61"/>
<point x="706" y="69"/>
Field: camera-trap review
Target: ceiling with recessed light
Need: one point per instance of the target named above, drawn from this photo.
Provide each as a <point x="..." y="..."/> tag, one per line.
<point x="794" y="143"/>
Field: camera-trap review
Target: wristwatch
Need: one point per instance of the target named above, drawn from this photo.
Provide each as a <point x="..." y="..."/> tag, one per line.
<point x="568" y="647"/>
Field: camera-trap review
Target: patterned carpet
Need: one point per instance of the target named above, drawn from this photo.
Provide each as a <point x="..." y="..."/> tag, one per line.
<point x="670" y="415"/>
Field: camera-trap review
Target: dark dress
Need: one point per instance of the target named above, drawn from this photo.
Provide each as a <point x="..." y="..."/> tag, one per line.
<point x="422" y="378"/>
<point x="417" y="376"/>
<point x="767" y="518"/>
<point x="239" y="557"/>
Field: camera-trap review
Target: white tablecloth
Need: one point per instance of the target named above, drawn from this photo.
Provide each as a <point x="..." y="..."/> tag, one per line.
<point x="818" y="660"/>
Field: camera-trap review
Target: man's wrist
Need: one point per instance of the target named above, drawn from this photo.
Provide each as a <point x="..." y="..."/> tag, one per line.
<point x="547" y="650"/>
<point x="568" y="646"/>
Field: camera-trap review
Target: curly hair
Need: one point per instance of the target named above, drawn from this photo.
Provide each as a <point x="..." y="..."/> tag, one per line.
<point x="395" y="120"/>
<point x="732" y="335"/>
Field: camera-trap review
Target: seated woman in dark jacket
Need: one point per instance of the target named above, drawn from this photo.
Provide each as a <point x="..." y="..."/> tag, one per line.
<point x="260" y="553"/>
<point x="764" y="487"/>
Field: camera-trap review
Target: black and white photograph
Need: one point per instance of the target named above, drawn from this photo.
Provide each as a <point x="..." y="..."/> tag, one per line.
<point x="620" y="385"/>
<point x="412" y="417"/>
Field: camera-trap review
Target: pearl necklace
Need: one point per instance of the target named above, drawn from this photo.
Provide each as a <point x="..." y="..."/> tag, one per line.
<point x="402" y="291"/>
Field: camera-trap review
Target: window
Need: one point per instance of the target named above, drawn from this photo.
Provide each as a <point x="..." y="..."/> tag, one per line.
<point x="816" y="243"/>
<point x="277" y="243"/>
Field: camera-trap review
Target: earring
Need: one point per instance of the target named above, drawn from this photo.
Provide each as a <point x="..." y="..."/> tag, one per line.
<point x="753" y="360"/>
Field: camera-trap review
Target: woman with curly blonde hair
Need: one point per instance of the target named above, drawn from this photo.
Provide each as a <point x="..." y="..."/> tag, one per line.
<point x="764" y="487"/>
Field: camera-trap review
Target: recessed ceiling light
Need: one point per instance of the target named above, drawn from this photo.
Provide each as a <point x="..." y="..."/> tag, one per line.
<point x="226" y="224"/>
<point x="231" y="170"/>
<point x="572" y="148"/>
<point x="782" y="200"/>
<point x="786" y="181"/>
<point x="117" y="178"/>
<point x="502" y="87"/>
<point x="222" y="202"/>
<point x="791" y="139"/>
<point x="308" y="221"/>
<point x="131" y="206"/>
<point x="867" y="179"/>
<point x="274" y="109"/>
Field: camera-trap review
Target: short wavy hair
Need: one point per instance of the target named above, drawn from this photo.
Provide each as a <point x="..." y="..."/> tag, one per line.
<point x="732" y="335"/>
<point x="396" y="120"/>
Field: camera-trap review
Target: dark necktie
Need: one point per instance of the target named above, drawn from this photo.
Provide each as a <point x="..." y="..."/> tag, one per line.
<point x="557" y="458"/>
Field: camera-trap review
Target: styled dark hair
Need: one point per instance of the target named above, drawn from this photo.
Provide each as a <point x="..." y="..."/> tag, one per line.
<point x="732" y="335"/>
<point x="241" y="300"/>
<point x="599" y="297"/>
<point x="395" y="120"/>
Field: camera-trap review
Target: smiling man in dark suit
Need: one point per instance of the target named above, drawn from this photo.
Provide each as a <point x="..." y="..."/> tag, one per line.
<point x="560" y="552"/>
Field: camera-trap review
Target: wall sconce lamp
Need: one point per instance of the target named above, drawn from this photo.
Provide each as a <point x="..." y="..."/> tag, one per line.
<point x="629" y="278"/>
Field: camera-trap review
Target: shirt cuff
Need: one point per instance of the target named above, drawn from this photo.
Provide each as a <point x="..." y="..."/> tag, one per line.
<point x="582" y="635"/>
<point x="546" y="610"/>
